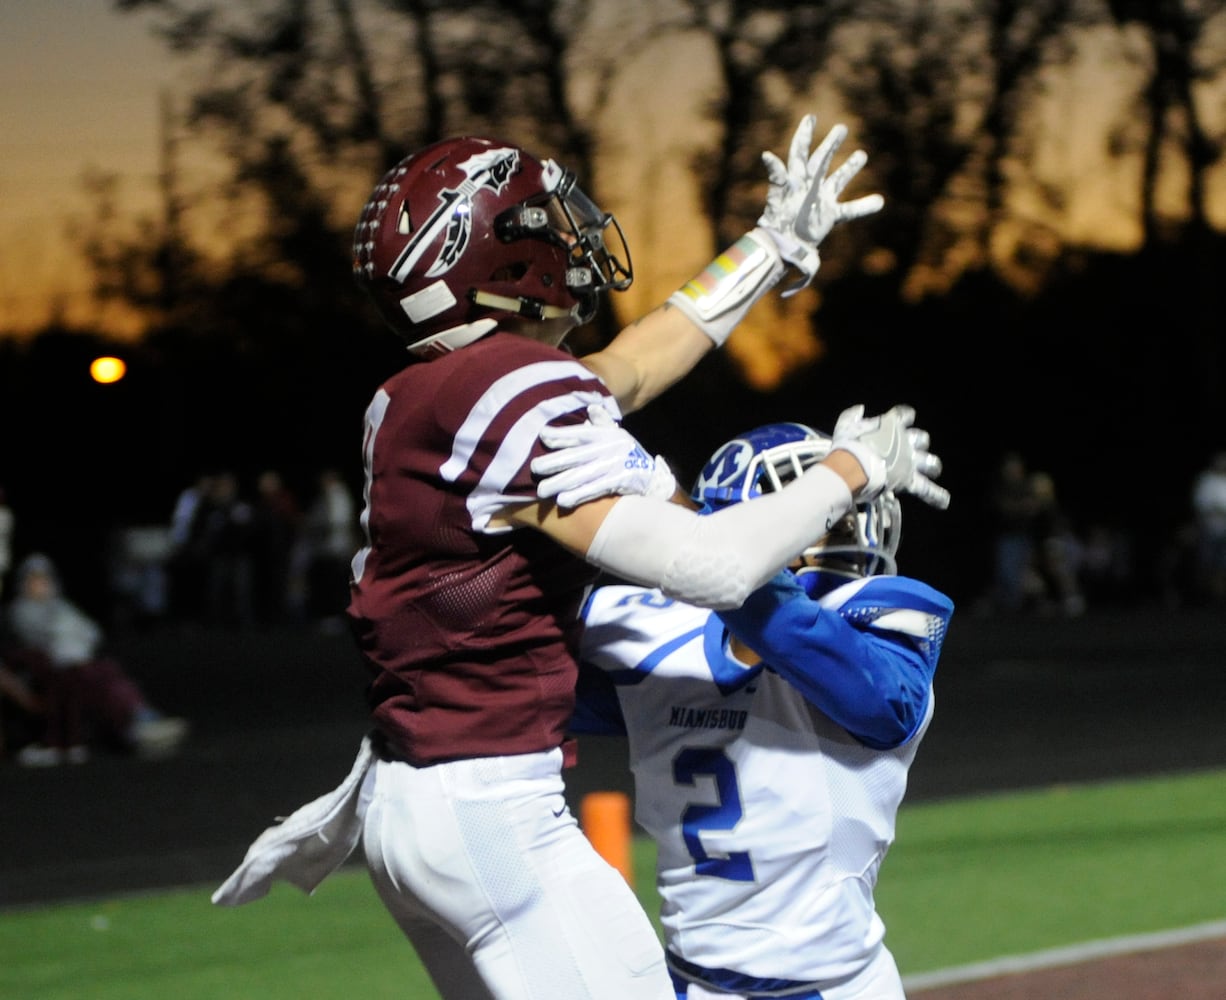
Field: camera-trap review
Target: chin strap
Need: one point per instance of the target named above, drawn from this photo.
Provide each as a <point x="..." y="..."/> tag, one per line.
<point x="461" y="336"/>
<point x="522" y="306"/>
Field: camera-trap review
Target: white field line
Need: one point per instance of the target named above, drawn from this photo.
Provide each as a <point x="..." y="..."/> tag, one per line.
<point x="1070" y="955"/>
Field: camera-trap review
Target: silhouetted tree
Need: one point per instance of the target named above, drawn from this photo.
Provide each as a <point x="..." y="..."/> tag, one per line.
<point x="945" y="94"/>
<point x="1178" y="59"/>
<point x="768" y="54"/>
<point x="1182" y="55"/>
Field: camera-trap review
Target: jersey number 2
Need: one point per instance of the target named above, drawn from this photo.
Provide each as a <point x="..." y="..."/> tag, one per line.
<point x="694" y="762"/>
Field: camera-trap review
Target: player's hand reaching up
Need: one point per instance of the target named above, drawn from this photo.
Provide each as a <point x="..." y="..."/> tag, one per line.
<point x="802" y="202"/>
<point x="893" y="453"/>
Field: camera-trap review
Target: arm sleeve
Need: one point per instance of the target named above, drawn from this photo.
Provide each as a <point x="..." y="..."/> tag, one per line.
<point x="716" y="560"/>
<point x="875" y="688"/>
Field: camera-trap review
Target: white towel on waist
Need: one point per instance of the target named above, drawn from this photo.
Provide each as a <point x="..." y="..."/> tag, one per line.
<point x="307" y="846"/>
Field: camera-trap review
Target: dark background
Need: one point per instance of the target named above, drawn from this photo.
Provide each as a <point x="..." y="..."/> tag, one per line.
<point x="1086" y="384"/>
<point x="278" y="716"/>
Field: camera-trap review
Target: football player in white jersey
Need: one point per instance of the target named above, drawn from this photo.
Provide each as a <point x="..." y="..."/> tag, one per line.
<point x="770" y="745"/>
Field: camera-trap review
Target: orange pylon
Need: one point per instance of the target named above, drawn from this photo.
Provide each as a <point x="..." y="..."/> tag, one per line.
<point x="605" y="818"/>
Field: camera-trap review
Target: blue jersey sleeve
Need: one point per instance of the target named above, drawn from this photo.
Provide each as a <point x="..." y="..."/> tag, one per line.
<point x="870" y="673"/>
<point x="597" y="708"/>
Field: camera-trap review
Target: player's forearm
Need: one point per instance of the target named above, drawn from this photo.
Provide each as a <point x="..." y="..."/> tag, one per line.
<point x="648" y="356"/>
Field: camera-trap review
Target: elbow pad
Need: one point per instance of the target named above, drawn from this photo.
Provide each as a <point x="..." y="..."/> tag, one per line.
<point x="717" y="560"/>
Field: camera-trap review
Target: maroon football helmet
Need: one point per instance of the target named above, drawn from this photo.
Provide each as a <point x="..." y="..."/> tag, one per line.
<point x="469" y="231"/>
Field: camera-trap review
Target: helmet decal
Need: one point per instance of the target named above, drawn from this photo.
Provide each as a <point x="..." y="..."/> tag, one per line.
<point x="742" y="468"/>
<point x="488" y="170"/>
<point x="725" y="468"/>
<point x="459" y="227"/>
<point x="469" y="232"/>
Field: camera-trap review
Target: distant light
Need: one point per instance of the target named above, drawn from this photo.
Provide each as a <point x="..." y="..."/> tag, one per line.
<point x="107" y="370"/>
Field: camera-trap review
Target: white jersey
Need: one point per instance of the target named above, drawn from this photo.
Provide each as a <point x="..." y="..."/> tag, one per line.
<point x="771" y="821"/>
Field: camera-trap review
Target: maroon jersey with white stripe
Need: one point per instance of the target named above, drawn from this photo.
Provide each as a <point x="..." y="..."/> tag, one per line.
<point x="470" y="634"/>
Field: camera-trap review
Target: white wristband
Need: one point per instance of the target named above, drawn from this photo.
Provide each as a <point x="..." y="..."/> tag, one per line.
<point x="873" y="465"/>
<point x="718" y="298"/>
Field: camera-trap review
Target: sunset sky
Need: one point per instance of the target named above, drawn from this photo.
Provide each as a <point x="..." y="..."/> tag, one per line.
<point x="79" y="86"/>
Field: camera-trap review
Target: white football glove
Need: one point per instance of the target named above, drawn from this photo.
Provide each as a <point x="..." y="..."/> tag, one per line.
<point x="893" y="453"/>
<point x="598" y="458"/>
<point x="802" y="203"/>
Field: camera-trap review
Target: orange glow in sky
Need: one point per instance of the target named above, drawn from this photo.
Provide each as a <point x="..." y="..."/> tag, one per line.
<point x="79" y="86"/>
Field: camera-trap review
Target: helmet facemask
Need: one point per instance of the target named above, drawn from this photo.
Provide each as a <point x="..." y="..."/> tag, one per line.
<point x="566" y="217"/>
<point x="863" y="543"/>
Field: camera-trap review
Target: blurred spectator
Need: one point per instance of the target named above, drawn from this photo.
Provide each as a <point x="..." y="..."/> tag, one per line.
<point x="186" y="508"/>
<point x="329" y="541"/>
<point x="275" y="523"/>
<point x="138" y="562"/>
<point x="1108" y="567"/>
<point x="1014" y="508"/>
<point x="6" y="539"/>
<point x="1209" y="511"/>
<point x="1057" y="551"/>
<point x="187" y="563"/>
<point x="86" y="697"/>
<point x="1176" y="566"/>
<point x="222" y="539"/>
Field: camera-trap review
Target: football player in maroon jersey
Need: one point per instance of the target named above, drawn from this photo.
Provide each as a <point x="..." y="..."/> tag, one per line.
<point x="480" y="543"/>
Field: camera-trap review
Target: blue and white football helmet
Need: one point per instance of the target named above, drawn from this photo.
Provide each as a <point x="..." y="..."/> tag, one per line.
<point x="763" y="460"/>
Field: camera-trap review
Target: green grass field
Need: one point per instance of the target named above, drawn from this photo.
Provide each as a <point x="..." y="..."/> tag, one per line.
<point x="968" y="880"/>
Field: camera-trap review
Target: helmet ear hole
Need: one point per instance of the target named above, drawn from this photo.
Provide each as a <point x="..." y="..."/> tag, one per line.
<point x="514" y="271"/>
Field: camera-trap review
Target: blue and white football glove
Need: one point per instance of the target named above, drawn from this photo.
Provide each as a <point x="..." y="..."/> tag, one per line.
<point x="802" y="203"/>
<point x="894" y="454"/>
<point x="596" y="459"/>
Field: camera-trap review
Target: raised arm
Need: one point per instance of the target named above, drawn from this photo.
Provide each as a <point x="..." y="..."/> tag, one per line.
<point x="714" y="560"/>
<point x="648" y="356"/>
<point x="802" y="205"/>
<point x="717" y="560"/>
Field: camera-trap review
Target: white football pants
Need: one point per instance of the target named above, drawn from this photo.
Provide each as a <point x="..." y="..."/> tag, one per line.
<point x="878" y="980"/>
<point x="489" y="876"/>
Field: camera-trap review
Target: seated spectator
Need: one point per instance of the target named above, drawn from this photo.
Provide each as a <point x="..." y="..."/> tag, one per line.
<point x="86" y="697"/>
<point x="20" y="704"/>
